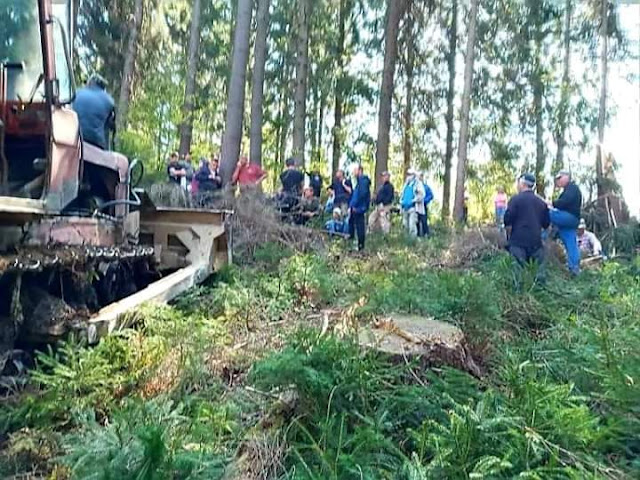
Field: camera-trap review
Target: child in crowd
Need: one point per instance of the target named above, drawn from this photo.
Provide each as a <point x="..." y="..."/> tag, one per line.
<point x="337" y="225"/>
<point x="500" y="201"/>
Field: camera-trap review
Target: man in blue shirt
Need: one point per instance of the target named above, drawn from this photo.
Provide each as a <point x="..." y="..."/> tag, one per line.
<point x="96" y="112"/>
<point x="359" y="206"/>
<point x="527" y="215"/>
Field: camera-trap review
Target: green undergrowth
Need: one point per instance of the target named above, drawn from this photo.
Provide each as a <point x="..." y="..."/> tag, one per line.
<point x="559" y="397"/>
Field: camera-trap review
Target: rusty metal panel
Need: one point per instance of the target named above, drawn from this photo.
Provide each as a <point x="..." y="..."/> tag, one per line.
<point x="75" y="231"/>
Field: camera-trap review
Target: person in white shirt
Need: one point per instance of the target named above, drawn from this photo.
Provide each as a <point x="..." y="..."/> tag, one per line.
<point x="587" y="241"/>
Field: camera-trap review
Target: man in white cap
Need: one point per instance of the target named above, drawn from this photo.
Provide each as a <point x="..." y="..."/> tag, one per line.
<point x="565" y="216"/>
<point x="588" y="243"/>
<point x="337" y="225"/>
<point x="412" y="202"/>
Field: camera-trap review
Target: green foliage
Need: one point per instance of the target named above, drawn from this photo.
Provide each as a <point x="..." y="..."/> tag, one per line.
<point x="150" y="440"/>
<point x="72" y="378"/>
<point x="559" y="398"/>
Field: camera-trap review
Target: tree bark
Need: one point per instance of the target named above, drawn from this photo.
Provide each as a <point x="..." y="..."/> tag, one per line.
<point x="339" y="101"/>
<point x="538" y="99"/>
<point x="315" y="93"/>
<point x="129" y="67"/>
<point x="395" y="10"/>
<point x="565" y="95"/>
<point x="257" y="87"/>
<point x="464" y="120"/>
<point x="235" y="103"/>
<point x="451" y="94"/>
<point x="186" y="128"/>
<point x="320" y="125"/>
<point x="602" y="115"/>
<point x="302" y="74"/>
<point x="408" y="108"/>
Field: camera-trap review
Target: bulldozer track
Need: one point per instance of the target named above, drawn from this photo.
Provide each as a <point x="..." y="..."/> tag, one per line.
<point x="38" y="259"/>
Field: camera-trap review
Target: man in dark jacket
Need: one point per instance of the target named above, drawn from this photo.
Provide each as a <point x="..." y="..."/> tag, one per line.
<point x="292" y="181"/>
<point x="565" y="216"/>
<point x="383" y="201"/>
<point x="359" y="206"/>
<point x="527" y="215"/>
<point x="342" y="189"/>
<point x="96" y="112"/>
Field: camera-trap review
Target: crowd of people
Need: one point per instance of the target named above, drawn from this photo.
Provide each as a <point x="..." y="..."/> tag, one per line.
<point x="527" y="219"/>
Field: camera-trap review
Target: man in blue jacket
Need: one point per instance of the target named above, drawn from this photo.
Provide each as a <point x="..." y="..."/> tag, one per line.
<point x="423" y="218"/>
<point x="359" y="205"/>
<point x="565" y="216"/>
<point x="96" y="112"/>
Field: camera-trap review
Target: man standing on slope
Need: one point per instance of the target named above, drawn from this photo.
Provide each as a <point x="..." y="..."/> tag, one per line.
<point x="359" y="206"/>
<point x="412" y="202"/>
<point x="423" y="218"/>
<point x="342" y="190"/>
<point x="383" y="201"/>
<point x="565" y="216"/>
<point x="527" y="215"/>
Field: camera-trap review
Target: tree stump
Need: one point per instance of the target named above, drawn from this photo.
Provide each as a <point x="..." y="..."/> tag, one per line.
<point x="433" y="342"/>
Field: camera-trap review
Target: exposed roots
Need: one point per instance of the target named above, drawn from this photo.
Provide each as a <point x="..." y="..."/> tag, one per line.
<point x="260" y="457"/>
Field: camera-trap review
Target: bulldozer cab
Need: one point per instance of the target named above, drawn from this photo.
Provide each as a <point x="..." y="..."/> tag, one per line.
<point x="40" y="159"/>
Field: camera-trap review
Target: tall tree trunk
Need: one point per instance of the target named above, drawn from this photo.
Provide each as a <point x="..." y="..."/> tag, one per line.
<point x="323" y="107"/>
<point x="302" y="73"/>
<point x="129" y="66"/>
<point x="186" y="128"/>
<point x="257" y="87"/>
<point x="395" y="10"/>
<point x="564" y="96"/>
<point x="235" y="103"/>
<point x="538" y="98"/>
<point x="451" y="95"/>
<point x="232" y="35"/>
<point x="461" y="173"/>
<point x="537" y="109"/>
<point x="339" y="101"/>
<point x="315" y="93"/>
<point x="408" y="108"/>
<point x="602" y="116"/>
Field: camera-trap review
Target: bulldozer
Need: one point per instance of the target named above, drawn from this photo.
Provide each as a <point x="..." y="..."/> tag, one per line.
<point x="80" y="245"/>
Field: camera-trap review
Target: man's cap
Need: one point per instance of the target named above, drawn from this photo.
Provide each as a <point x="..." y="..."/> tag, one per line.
<point x="411" y="171"/>
<point x="582" y="223"/>
<point x="337" y="211"/>
<point x="98" y="80"/>
<point x="386" y="174"/>
<point x="528" y="179"/>
<point x="563" y="173"/>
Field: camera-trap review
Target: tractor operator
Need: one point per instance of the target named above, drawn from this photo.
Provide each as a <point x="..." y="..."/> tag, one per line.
<point x="96" y="112"/>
